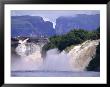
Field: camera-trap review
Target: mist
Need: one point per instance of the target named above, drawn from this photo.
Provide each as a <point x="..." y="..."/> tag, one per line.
<point x="54" y="61"/>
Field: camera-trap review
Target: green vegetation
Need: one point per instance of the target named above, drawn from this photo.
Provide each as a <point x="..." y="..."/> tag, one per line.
<point x="77" y="36"/>
<point x="74" y="37"/>
<point x="67" y="49"/>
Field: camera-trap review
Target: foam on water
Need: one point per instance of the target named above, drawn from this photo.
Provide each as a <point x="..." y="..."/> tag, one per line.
<point x="76" y="60"/>
<point x="56" y="61"/>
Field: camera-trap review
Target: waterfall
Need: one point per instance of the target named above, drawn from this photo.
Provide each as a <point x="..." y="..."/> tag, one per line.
<point x="30" y="56"/>
<point x="82" y="54"/>
<point x="77" y="59"/>
<point x="56" y="61"/>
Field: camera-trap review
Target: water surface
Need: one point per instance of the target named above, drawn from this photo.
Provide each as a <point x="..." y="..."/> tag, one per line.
<point x="54" y="74"/>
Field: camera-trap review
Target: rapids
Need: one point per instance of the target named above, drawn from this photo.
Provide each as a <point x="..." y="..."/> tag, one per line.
<point x="77" y="59"/>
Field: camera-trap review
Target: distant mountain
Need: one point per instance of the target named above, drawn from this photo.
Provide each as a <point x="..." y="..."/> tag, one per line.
<point x="82" y="21"/>
<point x="36" y="26"/>
<point x="31" y="26"/>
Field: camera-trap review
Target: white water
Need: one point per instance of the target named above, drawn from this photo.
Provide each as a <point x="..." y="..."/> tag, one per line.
<point x="76" y="60"/>
<point x="82" y="54"/>
<point x="56" y="61"/>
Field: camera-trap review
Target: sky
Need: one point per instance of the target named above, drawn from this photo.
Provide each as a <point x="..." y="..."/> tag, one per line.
<point x="51" y="15"/>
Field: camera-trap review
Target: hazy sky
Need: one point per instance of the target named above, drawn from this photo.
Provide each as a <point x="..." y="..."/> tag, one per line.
<point x="53" y="14"/>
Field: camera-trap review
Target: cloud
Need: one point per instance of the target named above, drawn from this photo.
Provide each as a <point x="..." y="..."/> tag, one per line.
<point x="46" y="19"/>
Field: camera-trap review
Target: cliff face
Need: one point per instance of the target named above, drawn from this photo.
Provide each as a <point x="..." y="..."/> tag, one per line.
<point x="36" y="26"/>
<point x="31" y="26"/>
<point x="81" y="55"/>
<point x="82" y="21"/>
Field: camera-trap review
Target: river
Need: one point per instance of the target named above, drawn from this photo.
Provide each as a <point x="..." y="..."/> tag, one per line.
<point x="54" y="74"/>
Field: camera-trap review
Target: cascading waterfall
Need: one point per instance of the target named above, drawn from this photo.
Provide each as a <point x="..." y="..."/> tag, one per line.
<point x="81" y="55"/>
<point x="77" y="59"/>
<point x="30" y="56"/>
<point x="56" y="61"/>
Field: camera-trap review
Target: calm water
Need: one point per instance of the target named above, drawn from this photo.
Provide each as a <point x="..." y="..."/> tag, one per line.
<point x="54" y="74"/>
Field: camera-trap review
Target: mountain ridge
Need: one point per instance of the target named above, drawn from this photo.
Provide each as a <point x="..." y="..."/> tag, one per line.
<point x="36" y="26"/>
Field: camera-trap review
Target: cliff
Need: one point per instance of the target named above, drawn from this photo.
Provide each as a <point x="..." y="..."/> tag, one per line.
<point x="31" y="26"/>
<point x="81" y="21"/>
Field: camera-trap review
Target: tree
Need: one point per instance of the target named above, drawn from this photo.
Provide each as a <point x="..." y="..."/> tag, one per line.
<point x="75" y="36"/>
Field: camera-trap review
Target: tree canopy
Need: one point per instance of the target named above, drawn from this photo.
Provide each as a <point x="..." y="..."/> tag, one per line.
<point x="75" y="36"/>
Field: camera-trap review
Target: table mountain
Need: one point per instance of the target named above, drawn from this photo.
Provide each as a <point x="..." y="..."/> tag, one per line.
<point x="80" y="21"/>
<point x="31" y="26"/>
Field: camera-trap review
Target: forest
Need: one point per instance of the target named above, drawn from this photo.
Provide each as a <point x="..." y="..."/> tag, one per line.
<point x="74" y="37"/>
